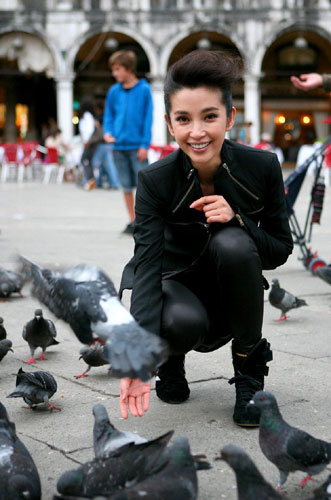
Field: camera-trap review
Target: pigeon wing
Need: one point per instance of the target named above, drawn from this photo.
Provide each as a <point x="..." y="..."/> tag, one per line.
<point x="134" y="352"/>
<point x="308" y="451"/>
<point x="276" y="296"/>
<point x="51" y="328"/>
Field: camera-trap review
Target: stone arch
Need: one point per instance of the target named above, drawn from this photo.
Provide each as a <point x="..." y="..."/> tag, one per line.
<point x="52" y="48"/>
<point x="145" y="43"/>
<point x="182" y="35"/>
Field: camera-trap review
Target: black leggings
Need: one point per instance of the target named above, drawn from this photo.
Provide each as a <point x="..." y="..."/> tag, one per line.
<point x="219" y="299"/>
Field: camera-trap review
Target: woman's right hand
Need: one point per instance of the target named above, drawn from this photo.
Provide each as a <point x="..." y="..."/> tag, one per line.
<point x="135" y="396"/>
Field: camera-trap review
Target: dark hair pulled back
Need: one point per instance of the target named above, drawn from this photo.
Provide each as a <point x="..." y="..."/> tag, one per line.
<point x="204" y="68"/>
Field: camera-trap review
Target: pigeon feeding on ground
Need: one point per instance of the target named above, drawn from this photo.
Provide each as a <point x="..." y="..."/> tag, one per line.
<point x="85" y="297"/>
<point x="283" y="300"/>
<point x="3" y="333"/>
<point x="5" y="346"/>
<point x="251" y="485"/>
<point x="39" y="332"/>
<point x="10" y="282"/>
<point x="289" y="448"/>
<point x="34" y="388"/>
<point x="324" y="491"/>
<point x="93" y="356"/>
<point x="19" y="478"/>
<point x="106" y="438"/>
<point x="104" y="475"/>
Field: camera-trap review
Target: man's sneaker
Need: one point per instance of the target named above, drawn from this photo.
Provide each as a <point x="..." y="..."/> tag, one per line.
<point x="128" y="229"/>
<point x="171" y="385"/>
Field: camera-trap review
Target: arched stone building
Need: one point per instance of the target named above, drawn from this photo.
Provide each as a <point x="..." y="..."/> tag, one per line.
<point x="52" y="52"/>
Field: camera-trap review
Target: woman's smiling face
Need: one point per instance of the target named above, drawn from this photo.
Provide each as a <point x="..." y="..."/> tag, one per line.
<point x="198" y="122"/>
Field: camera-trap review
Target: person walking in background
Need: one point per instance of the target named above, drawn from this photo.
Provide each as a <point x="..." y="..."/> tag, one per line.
<point x="127" y="124"/>
<point x="91" y="134"/>
<point x="311" y="81"/>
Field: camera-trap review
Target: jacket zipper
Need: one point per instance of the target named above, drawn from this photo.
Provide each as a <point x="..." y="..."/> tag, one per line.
<point x="224" y="165"/>
<point x="189" y="175"/>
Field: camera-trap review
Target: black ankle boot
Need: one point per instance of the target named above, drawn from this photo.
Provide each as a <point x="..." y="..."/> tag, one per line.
<point x="172" y="386"/>
<point x="250" y="370"/>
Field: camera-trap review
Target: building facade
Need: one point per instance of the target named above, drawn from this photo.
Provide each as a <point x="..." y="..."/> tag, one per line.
<point x="55" y="52"/>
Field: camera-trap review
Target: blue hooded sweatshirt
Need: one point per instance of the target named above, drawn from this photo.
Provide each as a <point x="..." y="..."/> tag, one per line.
<point x="128" y="115"/>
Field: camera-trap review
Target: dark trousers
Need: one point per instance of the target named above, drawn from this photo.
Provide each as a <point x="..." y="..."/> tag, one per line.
<point x="86" y="160"/>
<point x="219" y="299"/>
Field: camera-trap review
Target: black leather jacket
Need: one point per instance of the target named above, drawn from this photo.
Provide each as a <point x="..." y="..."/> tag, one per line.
<point x="170" y="236"/>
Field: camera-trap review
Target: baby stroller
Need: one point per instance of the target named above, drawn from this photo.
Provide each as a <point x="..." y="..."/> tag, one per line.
<point x="293" y="184"/>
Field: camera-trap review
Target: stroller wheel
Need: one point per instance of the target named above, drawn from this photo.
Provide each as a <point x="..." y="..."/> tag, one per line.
<point x="315" y="264"/>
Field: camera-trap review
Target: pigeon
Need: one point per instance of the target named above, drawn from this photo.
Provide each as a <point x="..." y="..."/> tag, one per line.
<point x="39" y="332"/>
<point x="176" y="480"/>
<point x="5" y="346"/>
<point x="104" y="475"/>
<point x="10" y="282"/>
<point x="324" y="491"/>
<point x="34" y="388"/>
<point x="3" y="333"/>
<point x="251" y="484"/>
<point x="106" y="438"/>
<point x="86" y="298"/>
<point x="93" y="356"/>
<point x="19" y="477"/>
<point x="289" y="448"/>
<point x="283" y="300"/>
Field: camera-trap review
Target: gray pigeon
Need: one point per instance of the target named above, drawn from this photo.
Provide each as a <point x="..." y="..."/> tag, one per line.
<point x="34" y="388"/>
<point x="5" y="346"/>
<point x="93" y="356"/>
<point x="283" y="300"/>
<point x="106" y="438"/>
<point x="10" y="282"/>
<point x="289" y="448"/>
<point x="3" y="333"/>
<point x="19" y="478"/>
<point x="251" y="485"/>
<point x="104" y="475"/>
<point x="39" y="332"/>
<point x="324" y="491"/>
<point x="177" y="480"/>
<point x="86" y="298"/>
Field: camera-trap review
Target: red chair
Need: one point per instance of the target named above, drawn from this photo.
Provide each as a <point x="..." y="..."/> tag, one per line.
<point x="9" y="161"/>
<point x="52" y="163"/>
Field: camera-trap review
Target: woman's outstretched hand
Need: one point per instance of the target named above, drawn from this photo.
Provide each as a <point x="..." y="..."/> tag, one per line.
<point x="134" y="395"/>
<point x="215" y="207"/>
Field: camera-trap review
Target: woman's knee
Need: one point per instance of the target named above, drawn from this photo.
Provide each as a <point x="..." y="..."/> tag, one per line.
<point x="233" y="245"/>
<point x="184" y="319"/>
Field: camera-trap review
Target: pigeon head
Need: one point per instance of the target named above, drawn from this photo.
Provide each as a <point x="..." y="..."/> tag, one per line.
<point x="264" y="400"/>
<point x="71" y="482"/>
<point x="3" y="413"/>
<point x="236" y="458"/>
<point x="100" y="413"/>
<point x="275" y="282"/>
<point x="7" y="344"/>
<point x="84" y="350"/>
<point x="38" y="313"/>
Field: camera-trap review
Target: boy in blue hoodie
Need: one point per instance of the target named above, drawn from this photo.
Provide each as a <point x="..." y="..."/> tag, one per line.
<point x="127" y="123"/>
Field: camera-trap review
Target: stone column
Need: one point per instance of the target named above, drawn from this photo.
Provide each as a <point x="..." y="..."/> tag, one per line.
<point x="252" y="100"/>
<point x="159" y="129"/>
<point x="10" y="131"/>
<point x="64" y="103"/>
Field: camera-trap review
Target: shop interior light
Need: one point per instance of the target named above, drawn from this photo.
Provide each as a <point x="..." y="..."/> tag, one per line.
<point x="280" y="119"/>
<point x="75" y="120"/>
<point x="306" y="119"/>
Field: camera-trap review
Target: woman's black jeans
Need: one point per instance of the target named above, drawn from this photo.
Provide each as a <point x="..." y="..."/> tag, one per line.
<point x="218" y="299"/>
